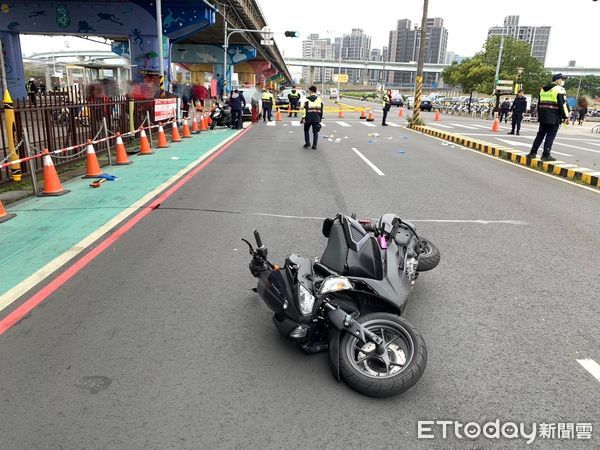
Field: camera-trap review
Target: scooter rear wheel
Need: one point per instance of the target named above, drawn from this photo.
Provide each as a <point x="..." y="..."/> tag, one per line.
<point x="383" y="376"/>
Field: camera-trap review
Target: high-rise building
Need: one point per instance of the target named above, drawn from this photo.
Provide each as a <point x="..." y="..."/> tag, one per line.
<point x="375" y="75"/>
<point x="356" y="46"/>
<point x="536" y="37"/>
<point x="317" y="48"/>
<point x="404" y="45"/>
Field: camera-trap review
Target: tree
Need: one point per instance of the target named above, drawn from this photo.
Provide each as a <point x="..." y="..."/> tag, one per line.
<point x="477" y="73"/>
<point x="590" y="85"/>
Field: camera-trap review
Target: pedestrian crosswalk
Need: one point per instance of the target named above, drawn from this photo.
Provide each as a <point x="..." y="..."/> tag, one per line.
<point x="456" y="126"/>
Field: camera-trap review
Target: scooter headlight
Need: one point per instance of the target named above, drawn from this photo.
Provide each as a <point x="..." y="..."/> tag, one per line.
<point x="335" y="284"/>
<point x="306" y="301"/>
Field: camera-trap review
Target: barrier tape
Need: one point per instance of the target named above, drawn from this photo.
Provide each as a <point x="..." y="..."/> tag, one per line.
<point x="78" y="146"/>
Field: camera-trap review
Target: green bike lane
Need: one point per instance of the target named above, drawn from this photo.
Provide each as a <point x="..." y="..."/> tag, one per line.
<point x="48" y="232"/>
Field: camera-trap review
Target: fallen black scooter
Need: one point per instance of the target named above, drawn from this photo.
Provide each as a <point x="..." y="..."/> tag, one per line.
<point x="221" y="116"/>
<point x="350" y="302"/>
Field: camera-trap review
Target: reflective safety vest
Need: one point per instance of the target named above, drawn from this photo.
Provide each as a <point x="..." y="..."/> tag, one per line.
<point x="312" y="110"/>
<point x="386" y="100"/>
<point x="549" y="99"/>
<point x="294" y="95"/>
<point x="267" y="97"/>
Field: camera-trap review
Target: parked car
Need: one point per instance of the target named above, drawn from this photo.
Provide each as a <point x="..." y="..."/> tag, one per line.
<point x="333" y="94"/>
<point x="410" y="101"/>
<point x="426" y="104"/>
<point x="282" y="98"/>
<point x="249" y="94"/>
<point x="397" y="99"/>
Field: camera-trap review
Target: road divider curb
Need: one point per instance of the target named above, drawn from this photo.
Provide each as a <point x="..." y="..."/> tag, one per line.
<point x="573" y="172"/>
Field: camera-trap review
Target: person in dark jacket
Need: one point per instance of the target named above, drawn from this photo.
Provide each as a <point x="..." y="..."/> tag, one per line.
<point x="386" y="103"/>
<point x="312" y="115"/>
<point x="552" y="111"/>
<point x="518" y="107"/>
<point x="237" y="102"/>
<point x="504" y="110"/>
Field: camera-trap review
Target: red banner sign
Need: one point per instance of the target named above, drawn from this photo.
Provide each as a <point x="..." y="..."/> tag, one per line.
<point x="164" y="109"/>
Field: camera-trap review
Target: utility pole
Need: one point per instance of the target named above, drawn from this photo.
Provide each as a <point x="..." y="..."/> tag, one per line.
<point x="159" y="31"/>
<point x="419" y="80"/>
<point x="498" y="73"/>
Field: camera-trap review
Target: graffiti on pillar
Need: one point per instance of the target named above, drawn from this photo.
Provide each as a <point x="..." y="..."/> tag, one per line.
<point x="110" y="18"/>
<point x="63" y="19"/>
<point x="84" y="27"/>
<point x="12" y="26"/>
<point x="36" y="14"/>
<point x="137" y="38"/>
<point x="170" y="20"/>
<point x="211" y="54"/>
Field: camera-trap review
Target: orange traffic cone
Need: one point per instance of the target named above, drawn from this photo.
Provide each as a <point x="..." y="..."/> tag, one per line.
<point x="278" y="115"/>
<point x="401" y="112"/>
<point x="371" y="117"/>
<point x="496" y="125"/>
<point x="175" y="136"/>
<point x="186" y="129"/>
<point x="208" y="119"/>
<point x="195" y="129"/>
<point x="341" y="113"/>
<point x="363" y="114"/>
<point x="52" y="186"/>
<point x="438" y="116"/>
<point x="122" y="159"/>
<point x="162" y="139"/>
<point x="144" y="144"/>
<point x="4" y="216"/>
<point x="91" y="161"/>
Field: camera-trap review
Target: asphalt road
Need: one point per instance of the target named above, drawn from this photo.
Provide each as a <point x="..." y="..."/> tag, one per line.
<point x="574" y="144"/>
<point x="160" y="342"/>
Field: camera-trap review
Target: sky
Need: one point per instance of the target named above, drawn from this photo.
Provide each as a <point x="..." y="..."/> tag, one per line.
<point x="574" y="24"/>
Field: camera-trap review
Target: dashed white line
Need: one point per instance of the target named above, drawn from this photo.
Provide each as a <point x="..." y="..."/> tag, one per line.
<point x="464" y="126"/>
<point x="343" y="124"/>
<point x="591" y="366"/>
<point x="367" y="124"/>
<point x="369" y="163"/>
<point x="271" y="124"/>
<point x="295" y="123"/>
<point x="443" y="126"/>
<point x="392" y="124"/>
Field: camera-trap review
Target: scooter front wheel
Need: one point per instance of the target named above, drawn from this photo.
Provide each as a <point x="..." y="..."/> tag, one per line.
<point x="392" y="372"/>
<point x="213" y="124"/>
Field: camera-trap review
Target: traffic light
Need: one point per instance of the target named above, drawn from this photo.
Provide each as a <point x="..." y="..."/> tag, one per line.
<point x="292" y="34"/>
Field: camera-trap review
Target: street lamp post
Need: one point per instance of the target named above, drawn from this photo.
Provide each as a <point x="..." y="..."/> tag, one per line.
<point x="419" y="80"/>
<point x="519" y="76"/>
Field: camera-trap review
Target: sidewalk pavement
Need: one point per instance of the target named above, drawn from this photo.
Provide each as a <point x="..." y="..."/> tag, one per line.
<point x="52" y="230"/>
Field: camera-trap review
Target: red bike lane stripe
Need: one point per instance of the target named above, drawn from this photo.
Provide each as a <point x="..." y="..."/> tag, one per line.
<point x="19" y="313"/>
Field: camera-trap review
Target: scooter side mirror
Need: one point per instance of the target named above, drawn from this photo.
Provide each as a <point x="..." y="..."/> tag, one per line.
<point x="327" y="224"/>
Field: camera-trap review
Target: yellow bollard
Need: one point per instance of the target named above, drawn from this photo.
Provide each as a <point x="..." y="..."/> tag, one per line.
<point x="11" y="134"/>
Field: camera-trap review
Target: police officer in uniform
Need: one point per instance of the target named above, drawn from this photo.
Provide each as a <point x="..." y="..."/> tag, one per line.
<point x="294" y="99"/>
<point x="312" y="114"/>
<point x="386" y="102"/>
<point x="552" y="111"/>
<point x="267" y="104"/>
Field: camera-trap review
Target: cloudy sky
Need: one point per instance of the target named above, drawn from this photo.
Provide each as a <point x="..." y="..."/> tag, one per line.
<point x="574" y="23"/>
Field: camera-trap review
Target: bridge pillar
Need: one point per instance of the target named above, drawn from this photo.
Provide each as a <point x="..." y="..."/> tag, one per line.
<point x="13" y="63"/>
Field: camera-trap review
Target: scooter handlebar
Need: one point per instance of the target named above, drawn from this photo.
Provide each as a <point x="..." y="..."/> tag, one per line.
<point x="258" y="239"/>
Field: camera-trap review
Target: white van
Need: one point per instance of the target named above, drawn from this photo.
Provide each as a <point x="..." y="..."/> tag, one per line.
<point x="333" y="93"/>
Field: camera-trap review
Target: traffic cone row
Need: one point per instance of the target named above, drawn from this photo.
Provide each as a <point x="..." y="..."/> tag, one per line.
<point x="52" y="186"/>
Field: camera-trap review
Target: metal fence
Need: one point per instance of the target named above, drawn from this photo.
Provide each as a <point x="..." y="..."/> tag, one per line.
<point x="61" y="119"/>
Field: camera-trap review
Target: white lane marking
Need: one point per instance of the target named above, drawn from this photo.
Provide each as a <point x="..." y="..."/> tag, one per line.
<point x="593" y="143"/>
<point x="367" y="124"/>
<point x="591" y="366"/>
<point x="578" y="148"/>
<point x="343" y="124"/>
<point x="31" y="281"/>
<point x="524" y="144"/>
<point x="485" y="127"/>
<point x="392" y="124"/>
<point x="323" y="125"/>
<point x="464" y="126"/>
<point x="443" y="126"/>
<point x="504" y="161"/>
<point x="371" y="165"/>
<point x="295" y="123"/>
<point x="271" y="124"/>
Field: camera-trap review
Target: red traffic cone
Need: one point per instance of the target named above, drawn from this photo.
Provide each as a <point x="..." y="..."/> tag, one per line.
<point x="371" y="117"/>
<point x="91" y="162"/>
<point x="52" y="186"/>
<point x="175" y="133"/>
<point x="438" y="116"/>
<point x="203" y="126"/>
<point x="144" y="144"/>
<point x="341" y="113"/>
<point x="363" y="114"/>
<point x="4" y="216"/>
<point x="496" y="125"/>
<point x="186" y="129"/>
<point x="195" y="128"/>
<point x="278" y="115"/>
<point x="162" y="139"/>
<point x="122" y="158"/>
<point x="401" y="112"/>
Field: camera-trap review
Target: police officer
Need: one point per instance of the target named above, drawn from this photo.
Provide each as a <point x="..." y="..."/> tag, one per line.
<point x="312" y="114"/>
<point x="552" y="110"/>
<point x="294" y="99"/>
<point x="237" y="102"/>
<point x="267" y="104"/>
<point x="386" y="102"/>
<point x="32" y="90"/>
<point x="518" y="107"/>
